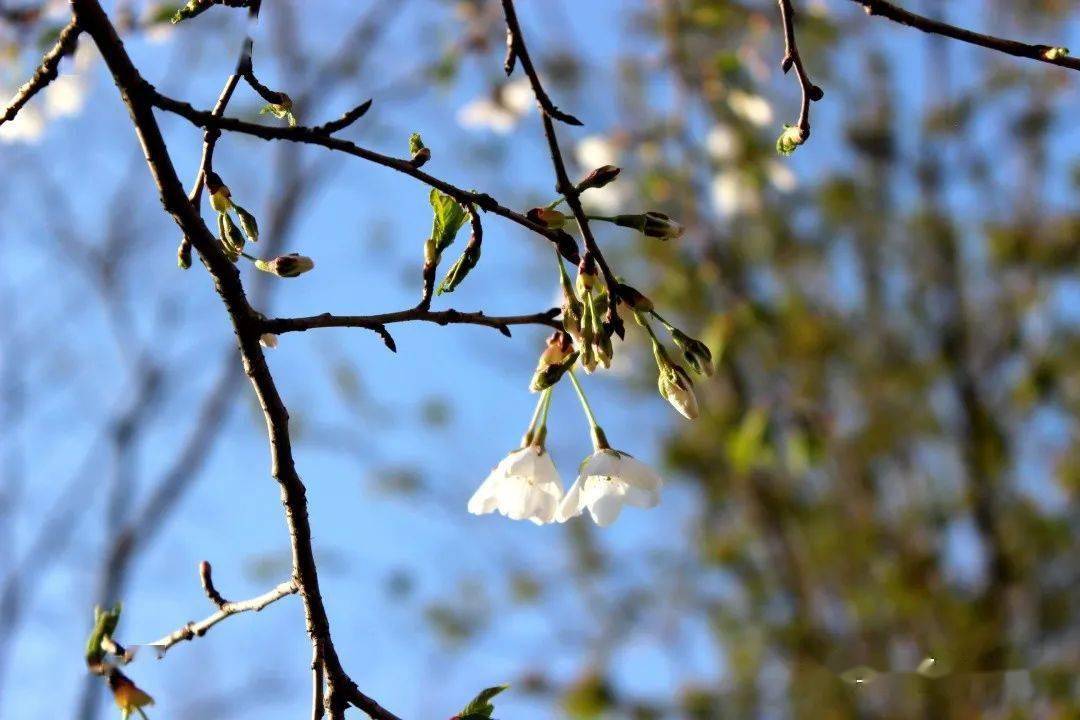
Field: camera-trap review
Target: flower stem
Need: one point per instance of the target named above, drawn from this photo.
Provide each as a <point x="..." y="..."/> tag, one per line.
<point x="537" y="422"/>
<point x="598" y="438"/>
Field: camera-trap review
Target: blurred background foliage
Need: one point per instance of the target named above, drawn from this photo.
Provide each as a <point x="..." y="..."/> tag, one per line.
<point x="876" y="514"/>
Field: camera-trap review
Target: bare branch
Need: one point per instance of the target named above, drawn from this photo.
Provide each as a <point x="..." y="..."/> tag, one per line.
<point x="516" y="49"/>
<point x="46" y="72"/>
<point x="792" y="59"/>
<point x="193" y="630"/>
<point x="377" y="323"/>
<point x="1041" y="53"/>
<point x="563" y="185"/>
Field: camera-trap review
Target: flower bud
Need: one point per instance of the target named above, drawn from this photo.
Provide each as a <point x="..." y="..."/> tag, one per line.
<point x="548" y="217"/>
<point x="558" y="357"/>
<point x="287" y="266"/>
<point x="567" y="246"/>
<point x="127" y="695"/>
<point x="652" y="224"/>
<point x="677" y="388"/>
<point x="220" y="198"/>
<point x="599" y="177"/>
<point x="633" y="297"/>
<point x="1055" y="53"/>
<point x="587" y="274"/>
<point x="431" y="252"/>
<point x="268" y="340"/>
<point x="792" y="137"/>
<point x="248" y="223"/>
<point x="183" y="255"/>
<point x="697" y="354"/>
<point x="231" y="237"/>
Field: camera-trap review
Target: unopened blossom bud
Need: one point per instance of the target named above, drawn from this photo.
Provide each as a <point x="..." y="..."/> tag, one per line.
<point x="567" y="246"/>
<point x="248" y="223"/>
<point x="232" y="240"/>
<point x="128" y="696"/>
<point x="1055" y="53"/>
<point x="652" y="224"/>
<point x="558" y="357"/>
<point x="431" y="252"/>
<point x="587" y="274"/>
<point x="599" y="177"/>
<point x="288" y="266"/>
<point x="675" y="385"/>
<point x="268" y="340"/>
<point x="183" y="255"/>
<point x="571" y="316"/>
<point x="220" y="199"/>
<point x="697" y="354"/>
<point x="548" y="217"/>
<point x="792" y="137"/>
<point x="633" y="297"/>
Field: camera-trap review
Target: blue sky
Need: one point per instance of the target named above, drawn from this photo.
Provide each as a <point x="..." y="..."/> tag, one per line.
<point x="365" y="227"/>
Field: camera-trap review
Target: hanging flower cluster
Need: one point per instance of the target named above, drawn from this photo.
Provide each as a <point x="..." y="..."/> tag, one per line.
<point x="526" y="485"/>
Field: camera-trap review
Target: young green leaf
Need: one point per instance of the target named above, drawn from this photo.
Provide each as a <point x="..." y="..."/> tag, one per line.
<point x="105" y="622"/>
<point x="480" y="706"/>
<point x="449" y="216"/>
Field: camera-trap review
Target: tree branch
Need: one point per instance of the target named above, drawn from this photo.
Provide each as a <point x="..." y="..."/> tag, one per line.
<point x="1041" y="53"/>
<point x="563" y="185"/>
<point x="516" y="49"/>
<point x="319" y="136"/>
<point x="341" y="691"/>
<point x="46" y="72"/>
<point x="792" y="59"/>
<point x="378" y="323"/>
<point x="226" y="609"/>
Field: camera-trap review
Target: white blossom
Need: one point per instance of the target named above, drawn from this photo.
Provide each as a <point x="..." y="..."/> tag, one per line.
<point x="268" y="340"/>
<point x="732" y="194"/>
<point x="752" y="108"/>
<point x="609" y="479"/>
<point x="524" y="486"/>
<point x="781" y="176"/>
<point x="721" y="142"/>
<point x="66" y="95"/>
<point x="27" y="127"/>
<point x="498" y="111"/>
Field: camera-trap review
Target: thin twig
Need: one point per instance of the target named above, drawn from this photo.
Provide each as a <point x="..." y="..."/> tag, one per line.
<point x="516" y="49"/>
<point x="193" y="630"/>
<point x="46" y="72"/>
<point x="792" y="59"/>
<point x="1041" y="53"/>
<point x="377" y="323"/>
<point x="314" y="136"/>
<point x="563" y="185"/>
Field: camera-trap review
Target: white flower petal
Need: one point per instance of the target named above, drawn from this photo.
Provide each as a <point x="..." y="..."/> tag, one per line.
<point x="636" y="473"/>
<point x="606" y="505"/>
<point x="572" y="504"/>
<point x="485" y="499"/>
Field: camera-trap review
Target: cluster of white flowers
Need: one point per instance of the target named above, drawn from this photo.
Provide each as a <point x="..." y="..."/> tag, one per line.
<point x="526" y="486"/>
